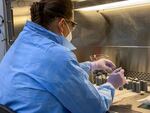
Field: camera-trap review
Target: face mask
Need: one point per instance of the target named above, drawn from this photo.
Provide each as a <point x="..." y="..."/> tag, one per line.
<point x="69" y="37"/>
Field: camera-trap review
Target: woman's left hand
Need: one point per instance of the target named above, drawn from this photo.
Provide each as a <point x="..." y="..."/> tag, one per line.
<point x="103" y="64"/>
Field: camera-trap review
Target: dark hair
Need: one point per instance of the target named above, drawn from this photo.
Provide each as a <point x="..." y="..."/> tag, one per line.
<point x="45" y="11"/>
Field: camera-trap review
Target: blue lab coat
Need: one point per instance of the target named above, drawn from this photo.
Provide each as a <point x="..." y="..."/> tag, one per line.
<point x="40" y="74"/>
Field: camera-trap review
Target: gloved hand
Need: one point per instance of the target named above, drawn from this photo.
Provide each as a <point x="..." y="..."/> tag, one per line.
<point x="117" y="78"/>
<point x="103" y="64"/>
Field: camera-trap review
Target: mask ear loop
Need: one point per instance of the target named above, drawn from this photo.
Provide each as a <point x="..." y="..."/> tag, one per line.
<point x="69" y="37"/>
<point x="61" y="31"/>
<point x="67" y="26"/>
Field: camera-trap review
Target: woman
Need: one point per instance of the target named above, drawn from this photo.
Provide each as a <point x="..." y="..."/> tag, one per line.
<point x="40" y="74"/>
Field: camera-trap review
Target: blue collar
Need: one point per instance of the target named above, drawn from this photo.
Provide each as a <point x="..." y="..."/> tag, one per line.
<point x="50" y="35"/>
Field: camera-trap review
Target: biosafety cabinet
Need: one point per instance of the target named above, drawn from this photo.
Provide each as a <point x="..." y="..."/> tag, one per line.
<point x="118" y="31"/>
<point x="115" y="29"/>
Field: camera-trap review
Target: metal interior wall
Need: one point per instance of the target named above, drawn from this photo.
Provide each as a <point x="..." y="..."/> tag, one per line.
<point x="121" y="34"/>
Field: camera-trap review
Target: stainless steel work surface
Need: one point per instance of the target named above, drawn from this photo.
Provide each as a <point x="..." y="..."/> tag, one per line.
<point x="130" y="105"/>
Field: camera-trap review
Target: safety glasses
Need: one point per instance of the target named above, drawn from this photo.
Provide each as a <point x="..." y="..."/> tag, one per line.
<point x="72" y="23"/>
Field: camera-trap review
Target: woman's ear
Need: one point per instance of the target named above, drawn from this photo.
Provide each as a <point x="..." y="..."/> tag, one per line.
<point x="61" y="25"/>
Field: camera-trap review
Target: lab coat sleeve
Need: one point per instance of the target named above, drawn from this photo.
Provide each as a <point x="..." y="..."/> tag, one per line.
<point x="86" y="66"/>
<point x="106" y="90"/>
<point x="75" y="91"/>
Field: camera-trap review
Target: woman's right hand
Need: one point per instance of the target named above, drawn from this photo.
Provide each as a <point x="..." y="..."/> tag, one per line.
<point x="117" y="78"/>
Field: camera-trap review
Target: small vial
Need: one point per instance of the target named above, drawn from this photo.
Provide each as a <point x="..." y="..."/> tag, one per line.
<point x="126" y="86"/>
<point x="103" y="79"/>
<point x="145" y="86"/>
<point x="138" y="88"/>
<point x="134" y="86"/>
<point x="97" y="80"/>
<point x="142" y="85"/>
<point x="129" y="85"/>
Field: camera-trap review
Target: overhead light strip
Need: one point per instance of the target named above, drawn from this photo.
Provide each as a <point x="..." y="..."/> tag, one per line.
<point x="114" y="5"/>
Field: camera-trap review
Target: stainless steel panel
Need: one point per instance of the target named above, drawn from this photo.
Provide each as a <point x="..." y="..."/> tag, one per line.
<point x="121" y="34"/>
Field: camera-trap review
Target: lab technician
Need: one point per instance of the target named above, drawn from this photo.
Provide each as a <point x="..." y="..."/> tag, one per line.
<point x="40" y="73"/>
